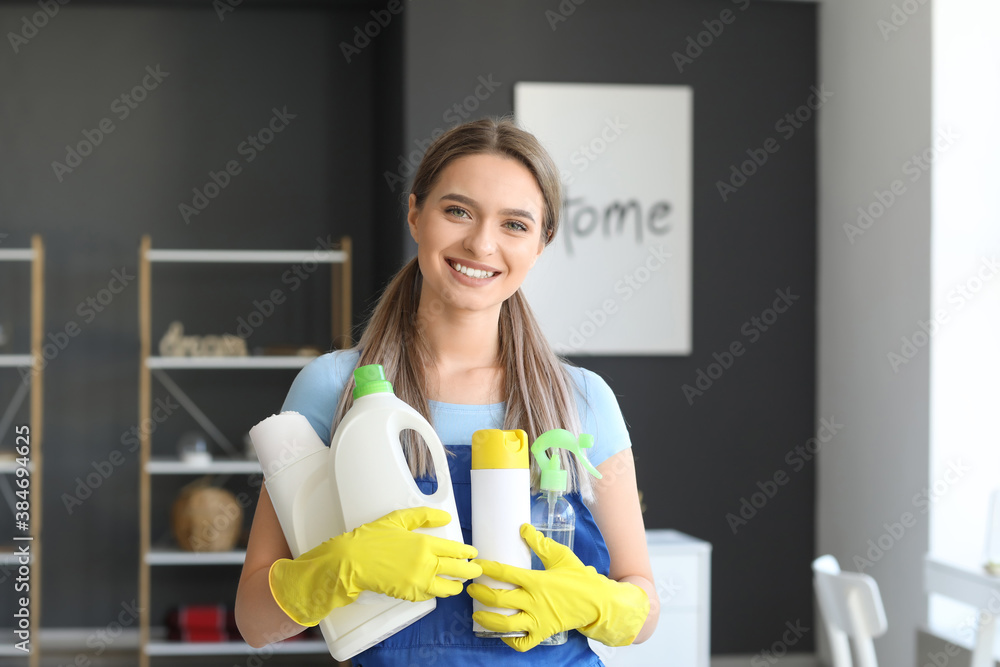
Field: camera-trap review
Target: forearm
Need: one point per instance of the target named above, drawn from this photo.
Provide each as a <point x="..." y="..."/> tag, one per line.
<point x="258" y="617"/>
<point x="654" y="606"/>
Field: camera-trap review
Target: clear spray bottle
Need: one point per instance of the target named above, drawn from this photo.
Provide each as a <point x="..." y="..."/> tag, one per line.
<point x="551" y="514"/>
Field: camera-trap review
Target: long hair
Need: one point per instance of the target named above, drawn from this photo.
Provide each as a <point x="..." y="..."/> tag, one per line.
<point x="537" y="387"/>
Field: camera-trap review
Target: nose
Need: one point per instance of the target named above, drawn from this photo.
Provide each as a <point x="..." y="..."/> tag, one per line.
<point x="480" y="240"/>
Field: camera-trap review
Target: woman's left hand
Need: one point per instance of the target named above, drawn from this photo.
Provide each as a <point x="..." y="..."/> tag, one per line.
<point x="566" y="595"/>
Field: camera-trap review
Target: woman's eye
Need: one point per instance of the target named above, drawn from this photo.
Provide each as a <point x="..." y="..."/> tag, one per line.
<point x="456" y="211"/>
<point x="520" y="226"/>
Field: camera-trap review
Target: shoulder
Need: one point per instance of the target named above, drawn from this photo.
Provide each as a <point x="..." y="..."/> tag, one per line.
<point x="600" y="414"/>
<point x="590" y="386"/>
<point x="330" y="369"/>
<point x="316" y="390"/>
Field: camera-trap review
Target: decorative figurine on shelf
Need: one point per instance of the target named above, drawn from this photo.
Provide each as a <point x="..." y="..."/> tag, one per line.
<point x="175" y="344"/>
<point x="192" y="448"/>
<point x="206" y="518"/>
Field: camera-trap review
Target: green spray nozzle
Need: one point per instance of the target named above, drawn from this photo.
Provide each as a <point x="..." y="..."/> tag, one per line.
<point x="553" y="477"/>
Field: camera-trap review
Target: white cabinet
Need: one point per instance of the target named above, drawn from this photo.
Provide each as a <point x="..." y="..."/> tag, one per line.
<point x="682" y="570"/>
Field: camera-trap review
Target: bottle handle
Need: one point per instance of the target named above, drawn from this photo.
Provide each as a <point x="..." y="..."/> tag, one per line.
<point x="438" y="456"/>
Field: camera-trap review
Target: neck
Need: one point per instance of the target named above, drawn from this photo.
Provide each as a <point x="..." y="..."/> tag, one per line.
<point x="459" y="340"/>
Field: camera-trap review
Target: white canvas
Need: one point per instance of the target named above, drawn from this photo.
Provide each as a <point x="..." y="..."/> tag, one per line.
<point x="617" y="278"/>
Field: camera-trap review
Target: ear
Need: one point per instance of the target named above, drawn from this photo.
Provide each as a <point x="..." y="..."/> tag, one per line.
<point x="411" y="217"/>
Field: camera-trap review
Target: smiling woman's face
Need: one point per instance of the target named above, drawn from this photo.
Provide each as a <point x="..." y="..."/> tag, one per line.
<point x="478" y="232"/>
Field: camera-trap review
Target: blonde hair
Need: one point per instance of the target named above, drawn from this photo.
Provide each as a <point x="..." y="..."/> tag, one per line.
<point x="537" y="387"/>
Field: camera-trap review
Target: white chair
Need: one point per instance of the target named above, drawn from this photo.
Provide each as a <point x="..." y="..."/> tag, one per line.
<point x="851" y="607"/>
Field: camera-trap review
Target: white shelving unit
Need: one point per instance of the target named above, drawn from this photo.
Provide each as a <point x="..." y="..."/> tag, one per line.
<point x="226" y="362"/>
<point x="14" y="360"/>
<point x="152" y="640"/>
<point x="163" y="647"/>
<point x="35" y="256"/>
<point x="161" y="465"/>
<point x="175" y="556"/>
<point x="8" y="650"/>
<point x="9" y="558"/>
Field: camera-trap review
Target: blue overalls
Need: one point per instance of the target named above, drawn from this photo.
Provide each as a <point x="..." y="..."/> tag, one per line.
<point x="445" y="637"/>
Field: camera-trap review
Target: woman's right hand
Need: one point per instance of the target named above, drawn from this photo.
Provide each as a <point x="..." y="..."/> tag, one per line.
<point x="383" y="556"/>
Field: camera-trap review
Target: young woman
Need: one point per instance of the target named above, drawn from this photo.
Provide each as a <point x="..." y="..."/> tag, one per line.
<point x="460" y="344"/>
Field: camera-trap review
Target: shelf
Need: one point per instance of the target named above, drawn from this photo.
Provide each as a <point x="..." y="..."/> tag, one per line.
<point x="10" y="558"/>
<point x="17" y="254"/>
<point x="153" y="558"/>
<point x="33" y="383"/>
<point x="177" y="556"/>
<point x="174" y="466"/>
<point x="10" y="650"/>
<point x="249" y="256"/>
<point x="9" y="466"/>
<point x="15" y="360"/>
<point x="299" y="646"/>
<point x="228" y="362"/>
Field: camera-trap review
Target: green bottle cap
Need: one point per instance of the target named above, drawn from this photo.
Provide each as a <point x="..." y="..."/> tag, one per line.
<point x="553" y="477"/>
<point x="370" y="379"/>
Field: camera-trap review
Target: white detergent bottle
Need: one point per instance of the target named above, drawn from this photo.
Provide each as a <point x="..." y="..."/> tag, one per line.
<point x="501" y="497"/>
<point x="365" y="477"/>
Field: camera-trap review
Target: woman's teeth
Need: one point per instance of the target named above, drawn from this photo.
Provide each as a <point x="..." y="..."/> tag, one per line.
<point x="472" y="273"/>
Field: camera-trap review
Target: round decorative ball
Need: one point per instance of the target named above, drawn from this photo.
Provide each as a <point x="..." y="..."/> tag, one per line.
<point x="206" y="518"/>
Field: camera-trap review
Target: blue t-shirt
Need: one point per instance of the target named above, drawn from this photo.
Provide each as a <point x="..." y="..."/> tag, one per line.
<point x="316" y="391"/>
<point x="445" y="636"/>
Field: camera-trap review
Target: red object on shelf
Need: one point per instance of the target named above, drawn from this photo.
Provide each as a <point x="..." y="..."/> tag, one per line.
<point x="202" y="623"/>
<point x="211" y="623"/>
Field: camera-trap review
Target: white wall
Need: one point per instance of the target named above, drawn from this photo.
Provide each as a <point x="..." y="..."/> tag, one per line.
<point x="966" y="289"/>
<point x="872" y="292"/>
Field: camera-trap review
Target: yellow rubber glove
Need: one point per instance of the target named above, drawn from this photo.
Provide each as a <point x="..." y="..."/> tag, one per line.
<point x="566" y="595"/>
<point x="383" y="556"/>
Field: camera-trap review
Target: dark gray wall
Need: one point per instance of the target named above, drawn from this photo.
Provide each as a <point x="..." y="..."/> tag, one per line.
<point x="697" y="461"/>
<point x="315" y="179"/>
<point x="326" y="174"/>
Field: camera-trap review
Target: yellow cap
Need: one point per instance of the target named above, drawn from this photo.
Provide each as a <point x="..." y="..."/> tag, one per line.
<point x="493" y="448"/>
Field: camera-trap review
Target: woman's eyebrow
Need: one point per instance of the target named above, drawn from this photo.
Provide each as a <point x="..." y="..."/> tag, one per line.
<point x="471" y="203"/>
